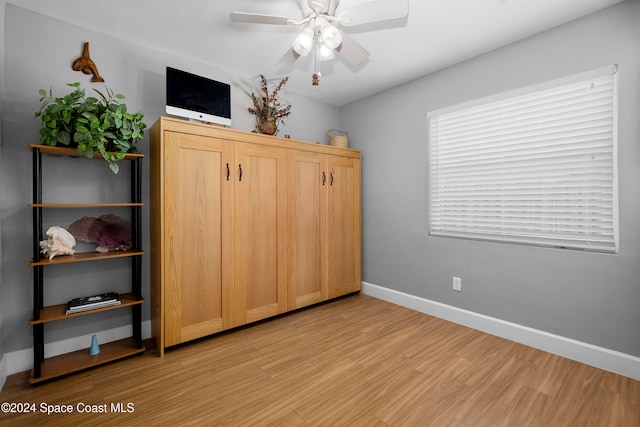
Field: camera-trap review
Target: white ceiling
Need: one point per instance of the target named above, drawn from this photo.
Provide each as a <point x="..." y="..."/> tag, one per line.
<point x="437" y="34"/>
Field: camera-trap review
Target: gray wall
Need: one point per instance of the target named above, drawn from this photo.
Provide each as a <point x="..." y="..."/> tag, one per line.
<point x="2" y="296"/>
<point x="38" y="52"/>
<point x="594" y="298"/>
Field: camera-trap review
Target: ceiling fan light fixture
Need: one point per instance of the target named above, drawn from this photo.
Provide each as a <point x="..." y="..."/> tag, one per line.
<point x="303" y="43"/>
<point x="321" y="25"/>
<point x="324" y="52"/>
<point x="331" y="36"/>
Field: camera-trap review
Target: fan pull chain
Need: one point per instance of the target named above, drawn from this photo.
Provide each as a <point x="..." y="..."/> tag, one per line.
<point x="315" y="79"/>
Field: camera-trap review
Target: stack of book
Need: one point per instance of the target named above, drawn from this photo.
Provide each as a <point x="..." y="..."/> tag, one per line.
<point x="77" y="305"/>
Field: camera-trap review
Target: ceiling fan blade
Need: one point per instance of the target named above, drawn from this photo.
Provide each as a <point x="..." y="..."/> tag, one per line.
<point x="287" y="59"/>
<point x="257" y="18"/>
<point x="352" y="51"/>
<point x="374" y="11"/>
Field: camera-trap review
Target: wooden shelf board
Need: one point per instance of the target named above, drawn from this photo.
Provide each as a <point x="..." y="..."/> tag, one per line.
<point x="68" y="363"/>
<point x="72" y="152"/>
<point x="58" y="312"/>
<point x="85" y="256"/>
<point x="84" y="205"/>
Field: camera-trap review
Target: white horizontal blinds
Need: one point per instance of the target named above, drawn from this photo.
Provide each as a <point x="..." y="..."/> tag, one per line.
<point x="535" y="169"/>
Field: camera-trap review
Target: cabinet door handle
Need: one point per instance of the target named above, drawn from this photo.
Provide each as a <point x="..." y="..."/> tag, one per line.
<point x="331" y="180"/>
<point x="228" y="172"/>
<point x="240" y="166"/>
<point x="324" y="178"/>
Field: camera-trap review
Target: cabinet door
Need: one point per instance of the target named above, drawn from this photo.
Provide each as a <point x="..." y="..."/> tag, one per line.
<point x="307" y="202"/>
<point x="344" y="235"/>
<point x="260" y="232"/>
<point x="197" y="254"/>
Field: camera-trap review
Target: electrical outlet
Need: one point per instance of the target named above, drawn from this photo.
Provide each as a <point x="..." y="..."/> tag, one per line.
<point x="457" y="284"/>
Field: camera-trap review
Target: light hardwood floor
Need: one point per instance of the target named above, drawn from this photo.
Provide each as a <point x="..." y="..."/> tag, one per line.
<point x="357" y="361"/>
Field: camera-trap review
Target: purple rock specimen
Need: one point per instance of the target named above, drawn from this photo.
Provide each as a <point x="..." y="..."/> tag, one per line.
<point x="109" y="232"/>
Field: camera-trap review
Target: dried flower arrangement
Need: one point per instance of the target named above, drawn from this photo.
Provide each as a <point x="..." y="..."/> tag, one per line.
<point x="268" y="109"/>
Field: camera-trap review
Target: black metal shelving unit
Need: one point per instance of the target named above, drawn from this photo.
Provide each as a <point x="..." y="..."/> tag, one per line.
<point x="48" y="368"/>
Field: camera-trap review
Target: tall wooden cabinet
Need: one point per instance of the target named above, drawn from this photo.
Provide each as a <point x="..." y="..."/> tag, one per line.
<point x="324" y="227"/>
<point x="343" y="246"/>
<point x="246" y="226"/>
<point x="260" y="262"/>
<point x="192" y="222"/>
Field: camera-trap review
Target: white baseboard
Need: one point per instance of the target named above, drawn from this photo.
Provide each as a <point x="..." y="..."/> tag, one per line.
<point x="22" y="360"/>
<point x="600" y="357"/>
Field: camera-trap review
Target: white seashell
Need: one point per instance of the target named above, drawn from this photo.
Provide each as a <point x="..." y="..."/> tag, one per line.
<point x="61" y="235"/>
<point x="59" y="242"/>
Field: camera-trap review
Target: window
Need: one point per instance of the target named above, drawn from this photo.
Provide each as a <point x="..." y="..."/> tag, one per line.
<point x="536" y="167"/>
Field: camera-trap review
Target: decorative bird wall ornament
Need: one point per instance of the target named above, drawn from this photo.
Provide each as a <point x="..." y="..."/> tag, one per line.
<point x="86" y="65"/>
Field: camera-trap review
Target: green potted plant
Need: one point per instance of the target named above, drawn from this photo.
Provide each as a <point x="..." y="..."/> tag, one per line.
<point x="90" y="124"/>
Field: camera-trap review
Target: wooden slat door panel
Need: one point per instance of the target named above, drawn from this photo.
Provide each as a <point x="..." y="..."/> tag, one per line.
<point x="260" y="232"/>
<point x="307" y="201"/>
<point x="344" y="235"/>
<point x="198" y="234"/>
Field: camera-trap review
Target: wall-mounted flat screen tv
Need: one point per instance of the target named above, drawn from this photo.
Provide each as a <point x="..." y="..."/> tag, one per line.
<point x="197" y="97"/>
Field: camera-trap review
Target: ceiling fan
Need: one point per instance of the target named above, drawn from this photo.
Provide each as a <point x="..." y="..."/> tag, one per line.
<point x="321" y="34"/>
